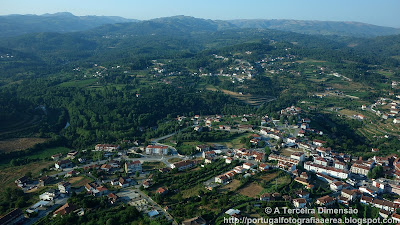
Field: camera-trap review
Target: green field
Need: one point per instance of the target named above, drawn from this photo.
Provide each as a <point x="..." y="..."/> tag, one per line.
<point x="79" y="83"/>
<point x="48" y="152"/>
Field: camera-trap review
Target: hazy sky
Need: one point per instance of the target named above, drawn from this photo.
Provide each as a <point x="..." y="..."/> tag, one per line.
<point x="383" y="12"/>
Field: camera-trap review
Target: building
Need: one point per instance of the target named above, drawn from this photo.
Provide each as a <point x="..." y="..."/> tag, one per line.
<point x="106" y="147"/>
<point x="48" y="195"/>
<point x="183" y="165"/>
<point x="133" y="166"/>
<point x="209" y="154"/>
<point x="64" y="187"/>
<point x="222" y="179"/>
<point x="360" y="169"/>
<point x="157" y="150"/>
<point x="299" y="202"/>
<point x="325" y="201"/>
<point x="63" y="164"/>
<point x="328" y="170"/>
<point x="203" y="148"/>
<point x="298" y="156"/>
<point x="65" y="209"/>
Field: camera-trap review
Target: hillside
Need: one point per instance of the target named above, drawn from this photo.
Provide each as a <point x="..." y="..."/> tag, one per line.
<point x="14" y="25"/>
<point x="355" y="29"/>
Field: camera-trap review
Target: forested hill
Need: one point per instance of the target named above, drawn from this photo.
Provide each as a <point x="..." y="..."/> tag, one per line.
<point x="14" y="25"/>
<point x="355" y="29"/>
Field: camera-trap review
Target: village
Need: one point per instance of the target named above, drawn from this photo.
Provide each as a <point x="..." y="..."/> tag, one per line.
<point x="274" y="146"/>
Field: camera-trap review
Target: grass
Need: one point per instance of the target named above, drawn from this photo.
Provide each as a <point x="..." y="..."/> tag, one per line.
<point x="251" y="190"/>
<point x="234" y="142"/>
<point x="10" y="174"/>
<point x="231" y="186"/>
<point x="152" y="165"/>
<point x="79" y="83"/>
<point x="80" y="181"/>
<point x="18" y="144"/>
<point x="48" y="152"/>
<point x="174" y="160"/>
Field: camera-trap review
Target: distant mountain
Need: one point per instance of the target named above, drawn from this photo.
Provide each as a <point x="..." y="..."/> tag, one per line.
<point x="15" y="25"/>
<point x="355" y="29"/>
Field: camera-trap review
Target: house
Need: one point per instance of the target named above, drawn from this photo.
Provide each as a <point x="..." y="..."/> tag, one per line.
<point x="325" y="201"/>
<point x="222" y="179"/>
<point x="99" y="191"/>
<point x="112" y="198"/>
<point x="298" y="156"/>
<point x="124" y="182"/>
<point x="301" y="133"/>
<point x="248" y="166"/>
<point x="63" y="164"/>
<point x="64" y="187"/>
<point x="48" y="195"/>
<point x="228" y="160"/>
<point x="384" y="214"/>
<point x="239" y="169"/>
<point x="183" y="165"/>
<point x="105" y="167"/>
<point x="360" y="169"/>
<point x="133" y="166"/>
<point x="21" y="182"/>
<point x="203" y="148"/>
<point x="106" y="147"/>
<point x="16" y="216"/>
<point x="162" y="191"/>
<point x="266" y="197"/>
<point x="304" y="126"/>
<point x="72" y="154"/>
<point x="263" y="167"/>
<point x="255" y="136"/>
<point x="303" y="194"/>
<point x="328" y="170"/>
<point x="157" y="150"/>
<point x="91" y="186"/>
<point x="211" y="154"/>
<point x="385" y="205"/>
<point x="396" y="218"/>
<point x="299" y="202"/>
<point x="146" y="184"/>
<point x="371" y="191"/>
<point x="366" y="200"/>
<point x="320" y="161"/>
<point x="319" y="142"/>
<point x="396" y="120"/>
<point x="336" y="186"/>
<point x="195" y="221"/>
<point x="292" y="140"/>
<point x="198" y="128"/>
<point x="65" y="209"/>
<point x="301" y="180"/>
<point x="340" y="165"/>
<point x="56" y="156"/>
<point x="349" y="194"/>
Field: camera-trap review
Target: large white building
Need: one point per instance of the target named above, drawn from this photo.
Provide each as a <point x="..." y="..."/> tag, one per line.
<point x="328" y="170"/>
<point x="157" y="150"/>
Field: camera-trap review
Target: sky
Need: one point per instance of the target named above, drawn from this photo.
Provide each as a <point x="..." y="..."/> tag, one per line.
<point x="383" y="12"/>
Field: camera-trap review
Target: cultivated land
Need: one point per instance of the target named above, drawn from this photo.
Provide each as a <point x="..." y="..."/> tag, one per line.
<point x="10" y="174"/>
<point x="17" y="144"/>
<point x="251" y="190"/>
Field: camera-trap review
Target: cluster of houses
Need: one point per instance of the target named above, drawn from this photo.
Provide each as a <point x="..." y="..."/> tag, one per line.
<point x="392" y="111"/>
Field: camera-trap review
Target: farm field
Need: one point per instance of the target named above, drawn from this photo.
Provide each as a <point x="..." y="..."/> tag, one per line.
<point x="18" y="144"/>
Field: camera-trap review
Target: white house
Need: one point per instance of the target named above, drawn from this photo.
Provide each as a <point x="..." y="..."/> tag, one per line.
<point x="299" y="202"/>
